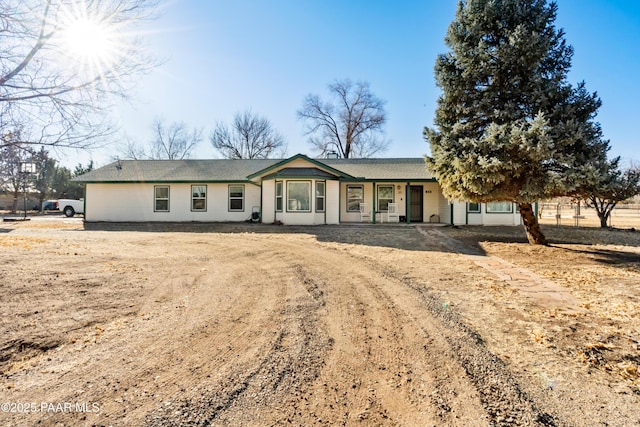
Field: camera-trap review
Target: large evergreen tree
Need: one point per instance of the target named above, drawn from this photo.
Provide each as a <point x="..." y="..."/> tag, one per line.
<point x="509" y="126"/>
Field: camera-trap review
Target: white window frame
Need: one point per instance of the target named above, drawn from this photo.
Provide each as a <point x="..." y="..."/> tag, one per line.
<point x="199" y="197"/>
<point x="469" y="210"/>
<point x="353" y="203"/>
<point x="507" y="205"/>
<point x="290" y="200"/>
<point x="388" y="200"/>
<point x="279" y="198"/>
<point x="157" y="199"/>
<point x="321" y="196"/>
<point x="232" y="198"/>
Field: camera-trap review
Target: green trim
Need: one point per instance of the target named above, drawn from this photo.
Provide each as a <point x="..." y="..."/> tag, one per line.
<point x="373" y="205"/>
<point x="300" y="177"/>
<point x="232" y="181"/>
<point x="535" y="209"/>
<point x="169" y="181"/>
<point x="451" y="210"/>
<point x="379" y="180"/>
<point x="340" y="202"/>
<point x="261" y="204"/>
<point x="336" y="172"/>
<point x="408" y="203"/>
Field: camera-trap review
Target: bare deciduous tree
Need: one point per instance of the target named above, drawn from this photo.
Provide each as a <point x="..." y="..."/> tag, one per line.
<point x="175" y="141"/>
<point x="351" y="123"/>
<point x="63" y="64"/>
<point x="250" y="137"/>
<point x="12" y="154"/>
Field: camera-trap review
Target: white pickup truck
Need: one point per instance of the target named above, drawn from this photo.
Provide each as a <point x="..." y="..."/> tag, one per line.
<point x="70" y="207"/>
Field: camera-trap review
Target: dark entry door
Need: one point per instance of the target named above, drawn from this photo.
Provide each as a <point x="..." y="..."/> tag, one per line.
<point x="416" y="202"/>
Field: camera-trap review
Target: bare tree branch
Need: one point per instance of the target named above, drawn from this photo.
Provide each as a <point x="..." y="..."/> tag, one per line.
<point x="175" y="141"/>
<point x="250" y="137"/>
<point x="59" y="97"/>
<point x="352" y="123"/>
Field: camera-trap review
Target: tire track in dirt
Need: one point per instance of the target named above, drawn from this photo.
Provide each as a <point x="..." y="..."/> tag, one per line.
<point x="184" y="326"/>
<point x="503" y="399"/>
<point x="417" y="364"/>
<point x="298" y="333"/>
<point x="221" y="340"/>
<point x="286" y="366"/>
<point x="388" y="356"/>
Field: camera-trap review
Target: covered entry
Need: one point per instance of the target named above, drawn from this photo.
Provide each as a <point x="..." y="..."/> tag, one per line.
<point x="416" y="203"/>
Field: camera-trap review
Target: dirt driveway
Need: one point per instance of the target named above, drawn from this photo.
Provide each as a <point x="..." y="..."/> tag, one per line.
<point x="250" y="325"/>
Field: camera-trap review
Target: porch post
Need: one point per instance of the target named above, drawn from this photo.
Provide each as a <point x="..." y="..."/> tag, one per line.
<point x="451" y="204"/>
<point x="408" y="209"/>
<point x="340" y="201"/>
<point x="373" y="210"/>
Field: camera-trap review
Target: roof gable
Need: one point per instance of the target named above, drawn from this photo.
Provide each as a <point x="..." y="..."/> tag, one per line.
<point x="313" y="162"/>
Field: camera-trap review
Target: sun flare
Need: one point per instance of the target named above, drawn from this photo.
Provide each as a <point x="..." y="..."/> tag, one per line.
<point x="88" y="41"/>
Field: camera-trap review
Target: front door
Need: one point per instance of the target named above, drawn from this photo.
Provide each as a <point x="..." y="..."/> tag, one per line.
<point x="416" y="203"/>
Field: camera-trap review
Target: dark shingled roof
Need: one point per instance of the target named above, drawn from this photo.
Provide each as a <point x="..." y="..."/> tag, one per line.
<point x="380" y="169"/>
<point x="176" y="170"/>
<point x="227" y="170"/>
<point x="300" y="172"/>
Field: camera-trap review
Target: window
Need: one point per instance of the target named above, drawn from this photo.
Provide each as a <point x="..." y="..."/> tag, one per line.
<point x="499" y="207"/>
<point x="385" y="196"/>
<point x="236" y="198"/>
<point x="355" y="196"/>
<point x="198" y="198"/>
<point x="473" y="207"/>
<point x="161" y="198"/>
<point x="320" y="186"/>
<point x="298" y="196"/>
<point x="279" y="196"/>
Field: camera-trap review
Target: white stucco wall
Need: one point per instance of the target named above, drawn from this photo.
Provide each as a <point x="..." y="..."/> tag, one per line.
<point x="368" y="198"/>
<point x="300" y="218"/>
<point x="268" y="201"/>
<point x="333" y="202"/>
<point x="135" y="202"/>
<point x="432" y="202"/>
<point x="500" y="218"/>
<point x="484" y="217"/>
<point x="459" y="213"/>
<point x="474" y="218"/>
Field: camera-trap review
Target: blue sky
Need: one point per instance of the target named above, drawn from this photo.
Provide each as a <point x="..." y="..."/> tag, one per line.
<point x="223" y="57"/>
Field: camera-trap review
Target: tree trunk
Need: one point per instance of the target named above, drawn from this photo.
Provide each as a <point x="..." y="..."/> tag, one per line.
<point x="604" y="217"/>
<point x="531" y="225"/>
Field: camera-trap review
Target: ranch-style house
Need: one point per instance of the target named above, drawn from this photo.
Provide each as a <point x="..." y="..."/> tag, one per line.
<point x="296" y="191"/>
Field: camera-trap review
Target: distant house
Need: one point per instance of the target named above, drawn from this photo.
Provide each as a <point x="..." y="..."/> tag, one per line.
<point x="296" y="191"/>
